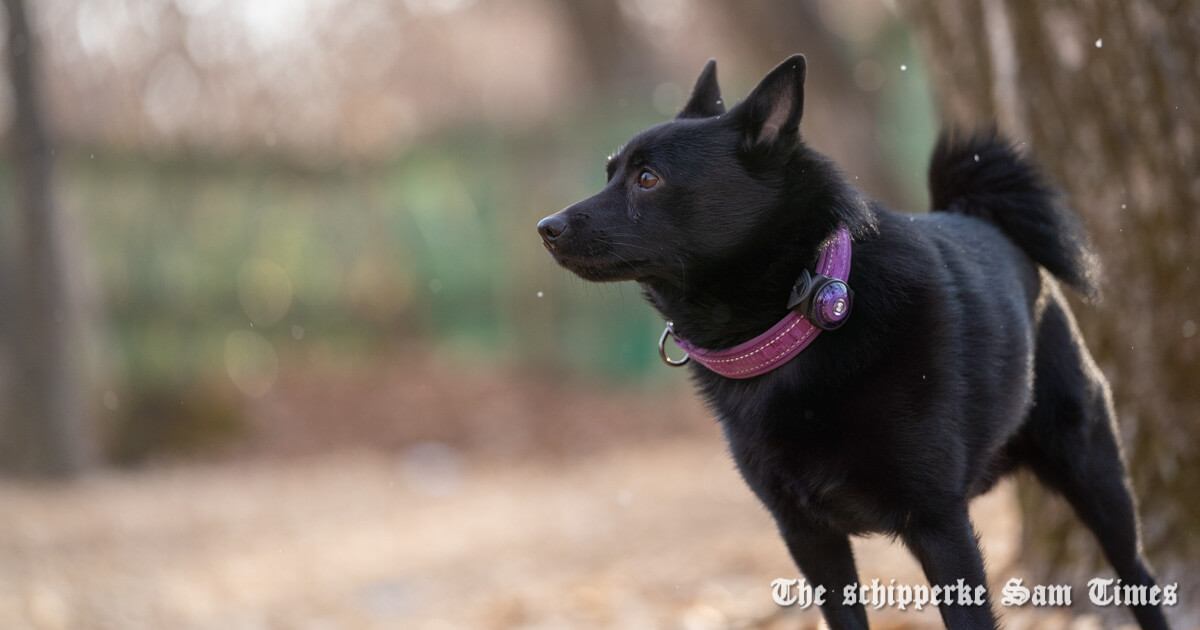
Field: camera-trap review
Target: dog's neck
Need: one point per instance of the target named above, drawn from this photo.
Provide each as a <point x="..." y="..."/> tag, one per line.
<point x="730" y="302"/>
<point x="724" y="307"/>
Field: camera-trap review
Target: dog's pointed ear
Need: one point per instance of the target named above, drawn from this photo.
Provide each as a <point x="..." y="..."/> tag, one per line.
<point x="706" y="96"/>
<point x="771" y="113"/>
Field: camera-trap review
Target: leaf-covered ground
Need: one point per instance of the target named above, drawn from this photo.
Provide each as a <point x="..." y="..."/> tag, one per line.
<point x="629" y="528"/>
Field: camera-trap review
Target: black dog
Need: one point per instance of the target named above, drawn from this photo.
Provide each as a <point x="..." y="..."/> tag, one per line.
<point x="960" y="361"/>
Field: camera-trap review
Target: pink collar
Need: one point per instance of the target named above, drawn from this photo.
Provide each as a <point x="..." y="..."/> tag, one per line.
<point x="778" y="345"/>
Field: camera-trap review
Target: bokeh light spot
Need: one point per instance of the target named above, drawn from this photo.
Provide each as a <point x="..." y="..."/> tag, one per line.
<point x="264" y="290"/>
<point x="251" y="362"/>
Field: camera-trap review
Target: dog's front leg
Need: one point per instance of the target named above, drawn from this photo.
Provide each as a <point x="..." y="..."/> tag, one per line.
<point x="825" y="559"/>
<point x="949" y="554"/>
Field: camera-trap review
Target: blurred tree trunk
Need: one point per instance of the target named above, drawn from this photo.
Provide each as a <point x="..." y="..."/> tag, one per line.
<point x="1107" y="97"/>
<point x="615" y="56"/>
<point x="42" y="429"/>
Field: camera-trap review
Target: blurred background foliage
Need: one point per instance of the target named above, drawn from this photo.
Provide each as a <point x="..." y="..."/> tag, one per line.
<point x="251" y="186"/>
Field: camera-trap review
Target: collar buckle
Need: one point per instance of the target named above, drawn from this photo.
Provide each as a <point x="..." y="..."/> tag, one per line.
<point x="823" y="301"/>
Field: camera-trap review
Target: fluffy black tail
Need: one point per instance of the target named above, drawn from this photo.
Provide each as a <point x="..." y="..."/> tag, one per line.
<point x="986" y="176"/>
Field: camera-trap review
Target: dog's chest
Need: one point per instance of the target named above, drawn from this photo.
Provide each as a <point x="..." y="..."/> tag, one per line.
<point x="804" y="484"/>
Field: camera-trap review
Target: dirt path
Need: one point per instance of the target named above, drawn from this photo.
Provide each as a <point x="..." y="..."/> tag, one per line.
<point x="663" y="535"/>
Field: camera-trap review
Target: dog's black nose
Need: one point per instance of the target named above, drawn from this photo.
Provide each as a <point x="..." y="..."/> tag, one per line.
<point x="552" y="227"/>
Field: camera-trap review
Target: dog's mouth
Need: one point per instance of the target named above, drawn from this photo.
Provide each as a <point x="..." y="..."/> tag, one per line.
<point x="591" y="251"/>
<point x="598" y="268"/>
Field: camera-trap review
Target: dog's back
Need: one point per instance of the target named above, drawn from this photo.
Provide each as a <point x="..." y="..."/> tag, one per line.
<point x="984" y="176"/>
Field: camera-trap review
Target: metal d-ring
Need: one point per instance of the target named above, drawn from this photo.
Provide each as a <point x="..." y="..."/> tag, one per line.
<point x="669" y="331"/>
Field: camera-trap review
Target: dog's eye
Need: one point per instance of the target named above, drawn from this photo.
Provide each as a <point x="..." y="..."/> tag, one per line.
<point x="647" y="180"/>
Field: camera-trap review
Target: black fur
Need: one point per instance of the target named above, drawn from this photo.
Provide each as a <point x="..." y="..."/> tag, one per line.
<point x="960" y="362"/>
<point x="984" y="176"/>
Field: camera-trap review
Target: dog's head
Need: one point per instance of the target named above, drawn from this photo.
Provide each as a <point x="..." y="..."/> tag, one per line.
<point x="701" y="189"/>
